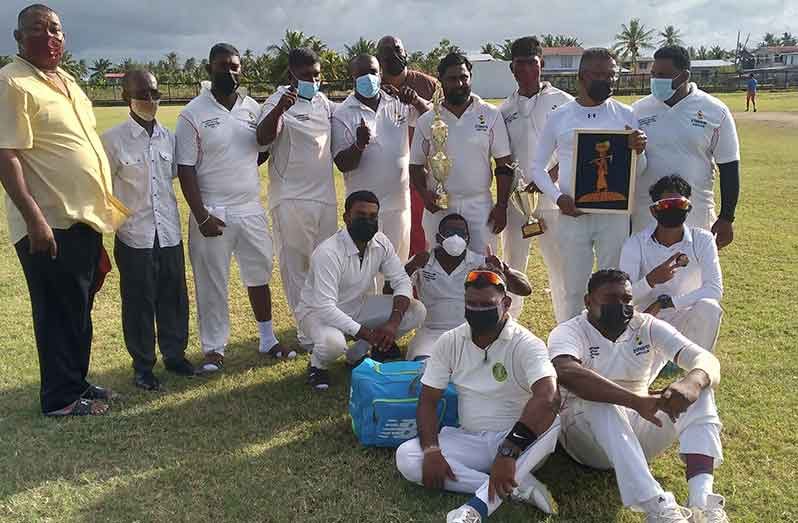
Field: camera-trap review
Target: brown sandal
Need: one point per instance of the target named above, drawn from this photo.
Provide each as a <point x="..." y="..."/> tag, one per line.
<point x="81" y="407"/>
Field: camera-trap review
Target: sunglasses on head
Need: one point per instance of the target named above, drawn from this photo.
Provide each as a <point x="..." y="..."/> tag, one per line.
<point x="681" y="203"/>
<point x="489" y="276"/>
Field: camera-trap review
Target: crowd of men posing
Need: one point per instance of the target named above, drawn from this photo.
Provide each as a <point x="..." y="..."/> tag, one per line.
<point x="400" y="263"/>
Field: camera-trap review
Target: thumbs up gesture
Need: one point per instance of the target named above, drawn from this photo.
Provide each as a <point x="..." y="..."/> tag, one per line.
<point x="363" y="135"/>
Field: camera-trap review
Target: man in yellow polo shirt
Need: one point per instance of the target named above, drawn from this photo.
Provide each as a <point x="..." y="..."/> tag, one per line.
<point x="58" y="201"/>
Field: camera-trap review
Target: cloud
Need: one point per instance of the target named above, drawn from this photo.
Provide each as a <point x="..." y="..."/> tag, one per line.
<point x="148" y="29"/>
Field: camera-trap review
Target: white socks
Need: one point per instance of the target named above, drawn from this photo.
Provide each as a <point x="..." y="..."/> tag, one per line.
<point x="267" y="337"/>
<point x="699" y="487"/>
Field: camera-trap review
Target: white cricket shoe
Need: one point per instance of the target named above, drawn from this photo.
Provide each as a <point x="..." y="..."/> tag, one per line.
<point x="533" y="492"/>
<point x="464" y="514"/>
<point x="714" y="512"/>
<point x="668" y="511"/>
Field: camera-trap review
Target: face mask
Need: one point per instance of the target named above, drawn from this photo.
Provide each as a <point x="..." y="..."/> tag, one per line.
<point x="307" y="90"/>
<point x="458" y="98"/>
<point x="614" y="317"/>
<point x="482" y="321"/>
<point x="661" y="88"/>
<point x="395" y="65"/>
<point x="225" y="83"/>
<point x="454" y="245"/>
<point x="671" y="218"/>
<point x="44" y="50"/>
<point x="367" y="85"/>
<point x="363" y="229"/>
<point x="144" y="109"/>
<point x="599" y="90"/>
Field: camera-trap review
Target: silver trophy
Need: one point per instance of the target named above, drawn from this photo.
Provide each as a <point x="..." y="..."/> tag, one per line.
<point x="526" y="202"/>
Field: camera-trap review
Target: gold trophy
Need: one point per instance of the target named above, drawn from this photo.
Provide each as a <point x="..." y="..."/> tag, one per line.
<point x="439" y="164"/>
<point x="526" y="202"/>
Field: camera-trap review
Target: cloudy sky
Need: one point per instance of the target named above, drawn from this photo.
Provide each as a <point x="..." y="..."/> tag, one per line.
<point x="147" y="29"/>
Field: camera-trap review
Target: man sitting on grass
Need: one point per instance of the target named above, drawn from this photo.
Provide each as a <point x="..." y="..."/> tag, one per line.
<point x="507" y="402"/>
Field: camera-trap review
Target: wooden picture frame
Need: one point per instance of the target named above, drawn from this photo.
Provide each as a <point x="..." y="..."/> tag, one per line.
<point x="604" y="171"/>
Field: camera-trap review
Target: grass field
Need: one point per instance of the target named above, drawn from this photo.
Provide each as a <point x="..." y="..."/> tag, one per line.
<point x="254" y="444"/>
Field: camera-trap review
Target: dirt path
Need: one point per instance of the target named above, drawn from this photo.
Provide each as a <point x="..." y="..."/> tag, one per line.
<point x="777" y="119"/>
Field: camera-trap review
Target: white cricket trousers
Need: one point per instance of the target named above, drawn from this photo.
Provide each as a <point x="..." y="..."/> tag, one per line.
<point x="700" y="322"/>
<point x="550" y="251"/>
<point x="329" y="342"/>
<point x="470" y="456"/>
<point x="605" y="436"/>
<point x="246" y="237"/>
<point x="299" y="227"/>
<point x="515" y="252"/>
<point x="396" y="226"/>
<point x="422" y="342"/>
<point x="476" y="211"/>
<point x="578" y="239"/>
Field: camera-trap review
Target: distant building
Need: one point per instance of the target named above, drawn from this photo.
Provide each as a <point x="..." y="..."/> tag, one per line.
<point x="767" y="57"/>
<point x="113" y="78"/>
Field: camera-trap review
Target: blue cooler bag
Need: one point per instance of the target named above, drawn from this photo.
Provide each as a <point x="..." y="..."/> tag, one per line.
<point x="383" y="401"/>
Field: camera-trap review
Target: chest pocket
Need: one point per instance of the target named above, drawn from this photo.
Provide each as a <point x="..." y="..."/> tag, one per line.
<point x="132" y="165"/>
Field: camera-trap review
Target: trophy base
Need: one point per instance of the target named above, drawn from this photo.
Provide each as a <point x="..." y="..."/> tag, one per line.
<point x="531" y="229"/>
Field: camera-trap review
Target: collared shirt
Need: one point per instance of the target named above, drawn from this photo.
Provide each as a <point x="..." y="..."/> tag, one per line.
<point x="700" y="279"/>
<point x="751" y="83"/>
<point x="63" y="161"/>
<point x="222" y="145"/>
<point x="142" y="170"/>
<point x="423" y="84"/>
<point x="629" y="360"/>
<point x="493" y="385"/>
<point x="686" y="139"/>
<point x="339" y="282"/>
<point x="525" y="117"/>
<point x="383" y="167"/>
<point x="443" y="294"/>
<point x="474" y="138"/>
<point x="300" y="165"/>
<point x="559" y="134"/>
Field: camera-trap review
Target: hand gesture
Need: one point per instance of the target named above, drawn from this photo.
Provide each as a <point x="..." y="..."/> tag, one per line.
<point x="502" y="478"/>
<point x="435" y="470"/>
<point x="430" y="201"/>
<point x="287" y="100"/>
<point x="677" y="397"/>
<point x="568" y="207"/>
<point x="408" y="96"/>
<point x="41" y="239"/>
<point x="498" y="217"/>
<point x="363" y="134"/>
<point x="648" y="406"/>
<point x="419" y="260"/>
<point x="665" y="271"/>
<point x="723" y="231"/>
<point x="385" y="335"/>
<point x="212" y="226"/>
<point x="637" y="140"/>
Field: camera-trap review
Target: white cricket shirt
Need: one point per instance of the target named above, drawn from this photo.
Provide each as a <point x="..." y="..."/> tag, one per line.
<point x="684" y="140"/>
<point x="222" y="145"/>
<point x="525" y="118"/>
<point x="493" y="386"/>
<point x="701" y="278"/>
<point x="474" y="138"/>
<point x="300" y="164"/>
<point x="383" y="167"/>
<point x="142" y="171"/>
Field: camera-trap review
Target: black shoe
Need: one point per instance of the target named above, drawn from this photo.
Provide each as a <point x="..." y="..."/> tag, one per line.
<point x="319" y="379"/>
<point x="393" y="353"/>
<point x="181" y="367"/>
<point x="146" y="381"/>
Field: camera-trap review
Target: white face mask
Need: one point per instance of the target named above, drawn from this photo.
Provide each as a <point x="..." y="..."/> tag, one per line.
<point x="454" y="245"/>
<point x="144" y="109"/>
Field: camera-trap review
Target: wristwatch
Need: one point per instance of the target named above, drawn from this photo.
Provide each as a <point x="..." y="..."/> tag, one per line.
<point x="508" y="452"/>
<point x="665" y="301"/>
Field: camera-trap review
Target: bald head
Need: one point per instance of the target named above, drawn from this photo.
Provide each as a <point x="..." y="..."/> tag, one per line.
<point x="39" y="37"/>
<point x="364" y="64"/>
<point x="392" y="55"/>
<point x="25" y="16"/>
<point x="140" y="84"/>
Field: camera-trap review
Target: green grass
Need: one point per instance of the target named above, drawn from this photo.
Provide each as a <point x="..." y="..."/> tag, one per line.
<point x="254" y="444"/>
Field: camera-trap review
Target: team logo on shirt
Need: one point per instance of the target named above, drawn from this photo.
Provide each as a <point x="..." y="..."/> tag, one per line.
<point x="592" y="116"/>
<point x="553" y="107"/>
<point x="699" y="120"/>
<point x="302" y="117"/>
<point x="211" y="123"/>
<point x="511" y="118"/>
<point x="641" y="349"/>
<point x="429" y="275"/>
<point x="594" y="352"/>
<point x="482" y="124"/>
<point x="646" y="120"/>
<point x="499" y="372"/>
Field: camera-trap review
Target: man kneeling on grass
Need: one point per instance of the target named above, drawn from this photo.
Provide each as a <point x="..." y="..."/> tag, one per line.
<point x="507" y="402"/>
<point x="606" y="359"/>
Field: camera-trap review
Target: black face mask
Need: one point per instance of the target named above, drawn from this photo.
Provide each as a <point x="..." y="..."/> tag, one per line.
<point x="225" y="83"/>
<point x="458" y="98"/>
<point x="599" y="90"/>
<point x="671" y="218"/>
<point x="614" y="317"/>
<point x="482" y="321"/>
<point x="395" y="64"/>
<point x="362" y="229"/>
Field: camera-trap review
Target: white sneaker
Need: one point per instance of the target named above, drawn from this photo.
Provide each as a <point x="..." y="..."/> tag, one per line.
<point x="464" y="514"/>
<point x="668" y="511"/>
<point x="533" y="492"/>
<point x="714" y="512"/>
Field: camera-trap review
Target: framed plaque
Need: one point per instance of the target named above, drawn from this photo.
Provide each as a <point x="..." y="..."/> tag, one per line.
<point x="603" y="171"/>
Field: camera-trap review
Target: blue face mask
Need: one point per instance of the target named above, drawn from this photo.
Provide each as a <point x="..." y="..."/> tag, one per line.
<point x="367" y="85"/>
<point x="307" y="90"/>
<point x="662" y="88"/>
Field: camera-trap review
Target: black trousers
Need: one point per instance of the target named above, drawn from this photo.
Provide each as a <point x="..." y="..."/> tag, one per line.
<point x="61" y="296"/>
<point x="152" y="283"/>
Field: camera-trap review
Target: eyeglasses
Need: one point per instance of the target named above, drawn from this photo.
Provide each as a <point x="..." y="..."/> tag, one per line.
<point x="489" y="276"/>
<point x="682" y="204"/>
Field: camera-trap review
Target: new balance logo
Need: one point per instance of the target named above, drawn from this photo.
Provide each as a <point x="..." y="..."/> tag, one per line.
<point x="591" y="115"/>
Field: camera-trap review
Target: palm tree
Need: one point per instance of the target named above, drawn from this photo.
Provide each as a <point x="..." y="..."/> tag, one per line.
<point x="702" y="53"/>
<point x="72" y="66"/>
<point x="691" y="51"/>
<point x="362" y="46"/>
<point x="333" y="66"/>
<point x="291" y="40"/>
<point x="770" y="40"/>
<point x="491" y="49"/>
<point x="99" y="68"/>
<point x="550" y="40"/>
<point x="716" y="53"/>
<point x="670" y="36"/>
<point x="787" y="39"/>
<point x="632" y="40"/>
<point x="172" y="63"/>
<point x="4" y="60"/>
<point x="506" y="50"/>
